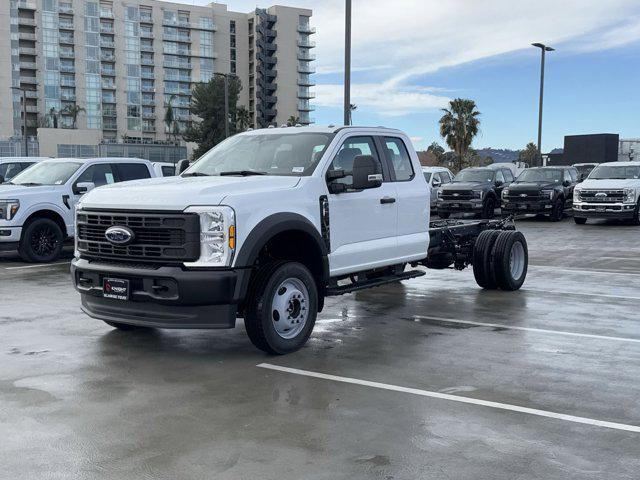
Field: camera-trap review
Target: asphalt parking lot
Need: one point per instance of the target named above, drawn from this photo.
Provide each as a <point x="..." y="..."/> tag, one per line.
<point x="433" y="378"/>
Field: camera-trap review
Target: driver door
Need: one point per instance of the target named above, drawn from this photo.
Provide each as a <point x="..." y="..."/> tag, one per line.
<point x="363" y="223"/>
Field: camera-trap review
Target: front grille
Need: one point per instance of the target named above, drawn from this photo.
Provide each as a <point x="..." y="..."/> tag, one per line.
<point x="158" y="237"/>
<point x="603" y="196"/>
<point x="456" y="195"/>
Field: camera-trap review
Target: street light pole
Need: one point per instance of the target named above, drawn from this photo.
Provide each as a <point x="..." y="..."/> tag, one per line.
<point x="24" y="120"/>
<point x="544" y="49"/>
<point x="347" y="64"/>
<point x="226" y="102"/>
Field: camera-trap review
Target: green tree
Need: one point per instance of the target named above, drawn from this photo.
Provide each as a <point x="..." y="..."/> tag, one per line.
<point x="437" y="150"/>
<point x="207" y="103"/>
<point x="530" y="154"/>
<point x="73" y="111"/>
<point x="292" y="121"/>
<point x="458" y="126"/>
<point x="243" y="118"/>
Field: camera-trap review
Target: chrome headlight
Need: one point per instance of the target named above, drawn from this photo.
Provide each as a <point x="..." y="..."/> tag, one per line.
<point x="505" y="193"/>
<point x="630" y="195"/>
<point x="9" y="208"/>
<point x="547" y="193"/>
<point x="477" y="194"/>
<point x="576" y="194"/>
<point x="217" y="236"/>
<point x="439" y="194"/>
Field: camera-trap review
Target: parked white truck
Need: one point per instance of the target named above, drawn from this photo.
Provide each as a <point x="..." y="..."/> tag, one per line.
<point x="265" y="226"/>
<point x="612" y="190"/>
<point x="37" y="207"/>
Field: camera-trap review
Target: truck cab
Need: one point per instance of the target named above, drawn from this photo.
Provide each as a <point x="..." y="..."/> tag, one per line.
<point x="474" y="190"/>
<point x="541" y="191"/>
<point x="612" y="190"/>
<point x="37" y="207"/>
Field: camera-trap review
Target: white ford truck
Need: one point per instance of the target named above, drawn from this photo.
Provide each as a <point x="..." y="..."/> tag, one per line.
<point x="37" y="207"/>
<point x="265" y="226"/>
<point x="612" y="190"/>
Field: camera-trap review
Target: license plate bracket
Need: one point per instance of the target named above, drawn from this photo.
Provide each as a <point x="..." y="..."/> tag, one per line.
<point x="116" y="288"/>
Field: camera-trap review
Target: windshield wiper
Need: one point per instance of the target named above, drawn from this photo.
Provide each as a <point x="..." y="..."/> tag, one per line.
<point x="196" y="174"/>
<point x="242" y="173"/>
<point x="29" y="184"/>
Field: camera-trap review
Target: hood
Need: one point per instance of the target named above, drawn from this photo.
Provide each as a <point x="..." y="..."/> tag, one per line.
<point x="178" y="193"/>
<point x="18" y="191"/>
<point x="608" y="183"/>
<point x="467" y="186"/>
<point x="532" y="185"/>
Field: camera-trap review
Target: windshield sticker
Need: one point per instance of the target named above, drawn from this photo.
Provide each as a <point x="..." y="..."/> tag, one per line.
<point x="297" y="170"/>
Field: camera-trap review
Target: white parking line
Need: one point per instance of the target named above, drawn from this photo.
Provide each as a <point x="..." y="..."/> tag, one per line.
<point x="37" y="266"/>
<point x="527" y="329"/>
<point x="582" y="270"/>
<point x="456" y="398"/>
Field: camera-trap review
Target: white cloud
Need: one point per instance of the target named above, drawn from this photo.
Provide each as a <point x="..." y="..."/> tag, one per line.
<point x="384" y="99"/>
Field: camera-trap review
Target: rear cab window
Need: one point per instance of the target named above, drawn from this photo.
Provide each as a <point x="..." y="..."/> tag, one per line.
<point x="131" y="171"/>
<point x="508" y="176"/>
<point x="399" y="159"/>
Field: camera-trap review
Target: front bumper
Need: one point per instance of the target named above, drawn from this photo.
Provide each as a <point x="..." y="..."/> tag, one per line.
<point x="622" y="211"/>
<point x="9" y="238"/>
<point x="163" y="297"/>
<point x="542" y="206"/>
<point x="447" y="206"/>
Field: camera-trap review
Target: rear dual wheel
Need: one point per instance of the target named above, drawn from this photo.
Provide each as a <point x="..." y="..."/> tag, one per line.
<point x="500" y="260"/>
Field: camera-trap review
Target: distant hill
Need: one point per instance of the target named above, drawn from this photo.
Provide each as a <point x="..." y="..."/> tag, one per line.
<point x="499" y="155"/>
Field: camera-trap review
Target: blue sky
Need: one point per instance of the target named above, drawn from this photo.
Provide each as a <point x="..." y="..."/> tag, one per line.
<point x="411" y="56"/>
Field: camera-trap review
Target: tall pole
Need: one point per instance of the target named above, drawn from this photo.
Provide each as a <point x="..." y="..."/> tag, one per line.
<point x="544" y="49"/>
<point x="226" y="106"/>
<point x="24" y="120"/>
<point x="347" y="64"/>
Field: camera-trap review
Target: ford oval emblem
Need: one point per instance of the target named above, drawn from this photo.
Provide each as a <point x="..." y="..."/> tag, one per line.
<point x="119" y="235"/>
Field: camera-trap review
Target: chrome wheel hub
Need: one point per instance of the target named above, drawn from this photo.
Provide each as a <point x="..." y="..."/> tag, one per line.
<point x="289" y="308"/>
<point x="517" y="260"/>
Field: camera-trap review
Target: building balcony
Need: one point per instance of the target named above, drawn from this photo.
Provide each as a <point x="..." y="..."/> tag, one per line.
<point x="176" y="23"/>
<point x="66" y="26"/>
<point x="305" y="81"/>
<point x="107" y="29"/>
<point x="27" y="5"/>
<point x="305" y="107"/>
<point x="28" y="65"/>
<point x="149" y="115"/>
<point x="29" y="80"/>
<point x="65" y="10"/>
<point x="175" y="91"/>
<point x="148" y="88"/>
<point x="147" y="62"/>
<point x="148" y="101"/>
<point x="267" y="47"/>
<point x="146" y="18"/>
<point x="66" y="40"/>
<point x="306" y="68"/>
<point x="306" y="93"/>
<point x="170" y="64"/>
<point x="177" y="78"/>
<point x="107" y="57"/>
<point x="306" y="29"/>
<point x="149" y="128"/>
<point x="107" y="43"/>
<point x="108" y="86"/>
<point x="207" y="28"/>
<point x="30" y="22"/>
<point x="110" y="126"/>
<point x="111" y="72"/>
<point x="147" y="75"/>
<point x="304" y="43"/>
<point x="109" y="112"/>
<point x="146" y="34"/>
<point x="27" y="36"/>
<point x="67" y="54"/>
<point x="106" y="13"/>
<point x="176" y="38"/>
<point x="305" y="56"/>
<point x="31" y="93"/>
<point x="212" y="56"/>
<point x="26" y="51"/>
<point x="31" y="108"/>
<point x="109" y="100"/>
<point x="68" y="68"/>
<point x="66" y="81"/>
<point x="146" y="48"/>
<point x="68" y="97"/>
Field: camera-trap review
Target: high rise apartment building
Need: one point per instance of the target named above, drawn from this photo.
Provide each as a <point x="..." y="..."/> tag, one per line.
<point x="109" y="68"/>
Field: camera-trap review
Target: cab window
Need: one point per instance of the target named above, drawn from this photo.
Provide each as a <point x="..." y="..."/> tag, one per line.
<point x="131" y="171"/>
<point x="168" y="171"/>
<point x="574" y="175"/>
<point x="444" y="177"/>
<point x="499" y="176"/>
<point x="10" y="170"/>
<point x="99" y="174"/>
<point x="399" y="159"/>
<point x="567" y="177"/>
<point x="508" y="176"/>
<point x="350" y="149"/>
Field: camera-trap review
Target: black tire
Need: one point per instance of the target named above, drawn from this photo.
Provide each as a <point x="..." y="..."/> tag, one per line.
<point x="259" y="314"/>
<point x="41" y="241"/>
<point x="482" y="267"/>
<point x="580" y="220"/>
<point x="636" y="215"/>
<point x="125" y="327"/>
<point x="510" y="246"/>
<point x="444" y="215"/>
<point x="488" y="208"/>
<point x="557" y="212"/>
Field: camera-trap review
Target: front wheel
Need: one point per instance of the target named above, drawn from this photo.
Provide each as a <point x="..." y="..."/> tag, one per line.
<point x="557" y="212"/>
<point x="281" y="307"/>
<point x="636" y="215"/>
<point x="41" y="241"/>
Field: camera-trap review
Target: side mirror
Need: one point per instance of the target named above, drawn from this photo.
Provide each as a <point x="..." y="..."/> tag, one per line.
<point x="181" y="166"/>
<point x="436" y="183"/>
<point x="83" y="187"/>
<point x="566" y="183"/>
<point x="365" y="173"/>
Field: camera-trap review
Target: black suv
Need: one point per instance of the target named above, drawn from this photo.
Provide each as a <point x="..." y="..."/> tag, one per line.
<point x="474" y="190"/>
<point x="541" y="190"/>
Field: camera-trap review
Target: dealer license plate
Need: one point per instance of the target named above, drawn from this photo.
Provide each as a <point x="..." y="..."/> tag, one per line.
<point x="115" y="288"/>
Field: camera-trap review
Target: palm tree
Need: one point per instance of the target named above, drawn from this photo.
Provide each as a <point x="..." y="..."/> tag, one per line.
<point x="292" y="121"/>
<point x="169" y="119"/>
<point x="458" y="126"/>
<point x="243" y="118"/>
<point x="73" y="111"/>
<point x="530" y="154"/>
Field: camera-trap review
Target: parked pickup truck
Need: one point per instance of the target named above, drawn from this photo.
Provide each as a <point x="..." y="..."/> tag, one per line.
<point x="612" y="190"/>
<point x="37" y="205"/>
<point x="474" y="190"/>
<point x="541" y="191"/>
<point x="265" y="226"/>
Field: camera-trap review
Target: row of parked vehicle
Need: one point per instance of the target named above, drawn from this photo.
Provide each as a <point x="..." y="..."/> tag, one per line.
<point x="39" y="195"/>
<point x="608" y="190"/>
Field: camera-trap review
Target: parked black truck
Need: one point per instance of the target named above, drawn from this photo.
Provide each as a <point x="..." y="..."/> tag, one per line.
<point x="474" y="190"/>
<point x="541" y="191"/>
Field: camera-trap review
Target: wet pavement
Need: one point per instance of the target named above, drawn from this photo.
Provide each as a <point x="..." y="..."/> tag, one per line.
<point x="433" y="378"/>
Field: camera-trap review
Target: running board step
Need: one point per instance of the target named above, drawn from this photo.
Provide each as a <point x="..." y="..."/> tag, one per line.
<point x="374" y="282"/>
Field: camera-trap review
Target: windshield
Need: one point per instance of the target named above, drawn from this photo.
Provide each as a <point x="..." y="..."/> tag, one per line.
<point x="474" y="176"/>
<point x="271" y="154"/>
<point x="534" y="175"/>
<point x="47" y="173"/>
<point x="427" y="176"/>
<point x="613" y="171"/>
<point x="584" y="169"/>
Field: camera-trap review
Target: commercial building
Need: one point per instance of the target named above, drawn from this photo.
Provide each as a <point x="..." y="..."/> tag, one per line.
<point x="595" y="148"/>
<point x="79" y="70"/>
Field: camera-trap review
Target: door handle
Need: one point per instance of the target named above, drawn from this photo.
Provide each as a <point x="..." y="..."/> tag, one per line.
<point x="385" y="200"/>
